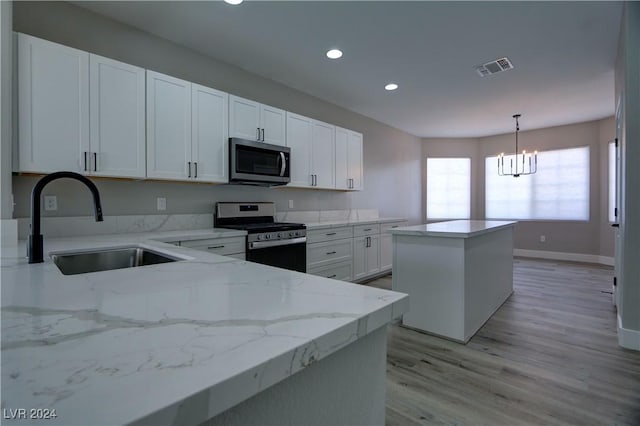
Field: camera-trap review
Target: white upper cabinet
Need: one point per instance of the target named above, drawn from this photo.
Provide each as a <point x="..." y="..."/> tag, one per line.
<point x="255" y="121"/>
<point x="187" y="134"/>
<point x="244" y="119"/>
<point x="323" y="148"/>
<point x="355" y="161"/>
<point x="348" y="159"/>
<point x="79" y="112"/>
<point x="53" y="111"/>
<point x="299" y="130"/>
<point x="209" y="143"/>
<point x="168" y="127"/>
<point x="117" y="119"/>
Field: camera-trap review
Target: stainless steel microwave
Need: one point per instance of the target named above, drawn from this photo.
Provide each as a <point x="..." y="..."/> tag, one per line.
<point x="258" y="163"/>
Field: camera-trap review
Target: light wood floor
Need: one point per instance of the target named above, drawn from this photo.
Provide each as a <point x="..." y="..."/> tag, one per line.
<point x="548" y="356"/>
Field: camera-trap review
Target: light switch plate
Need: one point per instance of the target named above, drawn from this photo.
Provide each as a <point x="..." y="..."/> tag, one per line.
<point x="162" y="203"/>
<point x="290" y="204"/>
<point x="50" y="202"/>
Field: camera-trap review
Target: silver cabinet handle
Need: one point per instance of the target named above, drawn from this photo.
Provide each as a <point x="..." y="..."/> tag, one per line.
<point x="85" y="161"/>
<point x="331" y="233"/>
<point x="214" y="247"/>
<point x="263" y="134"/>
<point x="95" y="162"/>
<point x="195" y="163"/>
<point x="331" y="252"/>
<point x="332" y="276"/>
<point x="189" y="165"/>
<point x="283" y="167"/>
<point x="258" y="134"/>
<point x="368" y="242"/>
<point x="367" y="230"/>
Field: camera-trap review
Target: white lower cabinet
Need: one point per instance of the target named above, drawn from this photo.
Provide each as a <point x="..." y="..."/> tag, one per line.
<point x="228" y="246"/>
<point x="386" y="244"/>
<point x="329" y="252"/>
<point x="338" y="271"/>
<point x="366" y="256"/>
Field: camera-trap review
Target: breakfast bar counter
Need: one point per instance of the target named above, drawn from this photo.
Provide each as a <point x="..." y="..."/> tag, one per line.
<point x="203" y="338"/>
<point x="457" y="274"/>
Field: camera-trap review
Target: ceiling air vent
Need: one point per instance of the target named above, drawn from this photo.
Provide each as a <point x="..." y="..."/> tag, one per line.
<point x="499" y="65"/>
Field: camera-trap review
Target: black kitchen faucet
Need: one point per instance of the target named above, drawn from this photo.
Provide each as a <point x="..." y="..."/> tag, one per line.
<point x="35" y="243"/>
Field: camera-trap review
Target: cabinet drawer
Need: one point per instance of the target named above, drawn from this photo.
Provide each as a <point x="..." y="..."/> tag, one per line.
<point x="371" y="229"/>
<point x="319" y="235"/>
<point x="217" y="245"/>
<point x="319" y="254"/>
<point x="338" y="271"/>
<point x="386" y="227"/>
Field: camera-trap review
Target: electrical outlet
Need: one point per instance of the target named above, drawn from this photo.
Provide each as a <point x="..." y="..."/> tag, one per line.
<point x="290" y="204"/>
<point x="50" y="202"/>
<point x="162" y="203"/>
<point x="543" y="239"/>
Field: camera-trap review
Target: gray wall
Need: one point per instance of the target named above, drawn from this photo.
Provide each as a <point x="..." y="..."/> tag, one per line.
<point x="594" y="236"/>
<point x="628" y="94"/>
<point x="5" y="107"/>
<point x="391" y="157"/>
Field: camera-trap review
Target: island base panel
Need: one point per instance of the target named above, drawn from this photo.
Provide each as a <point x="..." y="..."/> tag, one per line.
<point x="345" y="388"/>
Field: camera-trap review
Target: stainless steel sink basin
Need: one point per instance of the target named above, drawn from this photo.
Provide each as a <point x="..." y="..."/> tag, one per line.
<point x="108" y="259"/>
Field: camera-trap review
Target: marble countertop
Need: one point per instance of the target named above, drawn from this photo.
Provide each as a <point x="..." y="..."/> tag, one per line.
<point x="454" y="228"/>
<point x="339" y="223"/>
<point x="174" y="343"/>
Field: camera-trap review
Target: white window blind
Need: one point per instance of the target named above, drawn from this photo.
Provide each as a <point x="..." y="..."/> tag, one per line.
<point x="612" y="182"/>
<point x="448" y="188"/>
<point x="558" y="191"/>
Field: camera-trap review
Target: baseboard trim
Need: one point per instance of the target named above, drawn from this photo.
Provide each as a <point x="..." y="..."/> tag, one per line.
<point x="572" y="257"/>
<point x="627" y="338"/>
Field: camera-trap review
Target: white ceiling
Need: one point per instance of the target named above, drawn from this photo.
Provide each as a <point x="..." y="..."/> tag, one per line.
<point x="563" y="54"/>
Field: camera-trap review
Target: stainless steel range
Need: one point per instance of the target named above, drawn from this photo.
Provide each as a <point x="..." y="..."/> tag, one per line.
<point x="279" y="244"/>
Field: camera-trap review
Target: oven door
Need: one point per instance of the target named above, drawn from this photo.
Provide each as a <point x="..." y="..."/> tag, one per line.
<point x="287" y="254"/>
<point x="258" y="163"/>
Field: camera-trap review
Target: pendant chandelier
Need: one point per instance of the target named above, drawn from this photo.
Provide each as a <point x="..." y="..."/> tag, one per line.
<point x="518" y="164"/>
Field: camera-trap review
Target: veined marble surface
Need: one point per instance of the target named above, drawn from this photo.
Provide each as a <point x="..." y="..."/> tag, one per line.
<point x="454" y="228"/>
<point x="320" y="219"/>
<point x="175" y="343"/>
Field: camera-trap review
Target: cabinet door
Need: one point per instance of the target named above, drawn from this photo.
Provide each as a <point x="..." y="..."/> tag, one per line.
<point x="342" y="154"/>
<point x="359" y="258"/>
<point x="323" y="150"/>
<point x="244" y="118"/>
<point x="355" y="161"/>
<point x="168" y="127"/>
<point x="209" y="143"/>
<point x="373" y="255"/>
<point x="273" y="124"/>
<point x="386" y="252"/>
<point x="299" y="140"/>
<point x="117" y="119"/>
<point x="53" y="106"/>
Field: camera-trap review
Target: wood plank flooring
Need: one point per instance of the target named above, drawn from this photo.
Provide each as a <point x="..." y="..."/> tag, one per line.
<point x="548" y="356"/>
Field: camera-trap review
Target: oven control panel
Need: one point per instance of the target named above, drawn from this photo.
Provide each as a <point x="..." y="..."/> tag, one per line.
<point x="276" y="235"/>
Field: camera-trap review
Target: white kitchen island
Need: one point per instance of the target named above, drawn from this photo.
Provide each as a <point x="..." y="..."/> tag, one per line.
<point x="207" y="338"/>
<point x="457" y="274"/>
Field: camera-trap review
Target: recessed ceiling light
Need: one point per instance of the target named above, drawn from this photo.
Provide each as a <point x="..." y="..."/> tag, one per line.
<point x="233" y="2"/>
<point x="391" y="86"/>
<point x="334" y="54"/>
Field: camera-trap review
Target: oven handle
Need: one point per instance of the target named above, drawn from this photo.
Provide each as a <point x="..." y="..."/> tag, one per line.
<point x="264" y="244"/>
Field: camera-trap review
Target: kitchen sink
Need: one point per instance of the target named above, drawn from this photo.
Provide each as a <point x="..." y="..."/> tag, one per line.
<point x="108" y="259"/>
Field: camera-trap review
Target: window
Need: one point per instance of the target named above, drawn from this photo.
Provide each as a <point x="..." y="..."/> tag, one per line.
<point x="612" y="181"/>
<point x="448" y="188"/>
<point x="558" y="191"/>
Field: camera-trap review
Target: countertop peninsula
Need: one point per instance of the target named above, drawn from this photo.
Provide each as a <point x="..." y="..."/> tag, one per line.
<point x="173" y="343"/>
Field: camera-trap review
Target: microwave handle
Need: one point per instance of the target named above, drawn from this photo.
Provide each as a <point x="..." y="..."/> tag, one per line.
<point x="284" y="163"/>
